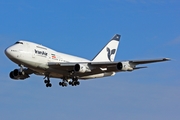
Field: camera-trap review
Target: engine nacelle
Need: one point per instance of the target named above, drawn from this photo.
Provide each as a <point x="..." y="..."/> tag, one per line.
<point x="16" y="74"/>
<point x="81" y="68"/>
<point x="124" y="66"/>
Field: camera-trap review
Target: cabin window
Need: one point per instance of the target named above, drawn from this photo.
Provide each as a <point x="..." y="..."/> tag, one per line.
<point x="19" y="42"/>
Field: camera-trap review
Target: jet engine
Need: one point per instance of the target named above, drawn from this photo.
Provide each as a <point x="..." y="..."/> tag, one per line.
<point x="16" y="74"/>
<point x="81" y="68"/>
<point x="125" y="66"/>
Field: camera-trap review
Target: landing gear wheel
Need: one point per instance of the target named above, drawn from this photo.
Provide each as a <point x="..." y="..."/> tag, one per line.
<point x="70" y="83"/>
<point x="60" y="83"/>
<point x="48" y="85"/>
<point x="77" y="83"/>
<point x="63" y="84"/>
<point x="46" y="81"/>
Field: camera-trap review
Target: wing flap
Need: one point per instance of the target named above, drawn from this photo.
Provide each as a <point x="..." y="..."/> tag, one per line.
<point x="62" y="66"/>
<point x="103" y="64"/>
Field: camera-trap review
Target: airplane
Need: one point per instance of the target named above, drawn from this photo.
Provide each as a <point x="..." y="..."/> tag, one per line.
<point x="37" y="59"/>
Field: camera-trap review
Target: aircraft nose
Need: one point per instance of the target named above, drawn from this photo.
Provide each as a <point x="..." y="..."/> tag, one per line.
<point x="7" y="51"/>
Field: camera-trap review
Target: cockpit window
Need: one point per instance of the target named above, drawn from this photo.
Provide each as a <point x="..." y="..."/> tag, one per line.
<point x="19" y="42"/>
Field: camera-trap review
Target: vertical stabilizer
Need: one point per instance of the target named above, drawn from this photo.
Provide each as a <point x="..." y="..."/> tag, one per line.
<point x="108" y="53"/>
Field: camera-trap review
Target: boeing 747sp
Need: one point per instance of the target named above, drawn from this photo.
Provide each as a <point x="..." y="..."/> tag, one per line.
<point x="37" y="59"/>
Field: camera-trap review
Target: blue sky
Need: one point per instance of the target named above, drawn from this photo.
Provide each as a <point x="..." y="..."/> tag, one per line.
<point x="149" y="29"/>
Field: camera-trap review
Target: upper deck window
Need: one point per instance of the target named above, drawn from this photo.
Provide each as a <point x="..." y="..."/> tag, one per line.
<point x="19" y="42"/>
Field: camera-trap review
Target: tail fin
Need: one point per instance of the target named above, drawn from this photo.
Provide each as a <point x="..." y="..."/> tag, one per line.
<point x="108" y="53"/>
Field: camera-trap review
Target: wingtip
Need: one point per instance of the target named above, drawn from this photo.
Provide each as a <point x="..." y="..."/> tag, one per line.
<point x="166" y="59"/>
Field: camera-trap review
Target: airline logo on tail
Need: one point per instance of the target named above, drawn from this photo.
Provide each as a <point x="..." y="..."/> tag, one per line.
<point x="110" y="52"/>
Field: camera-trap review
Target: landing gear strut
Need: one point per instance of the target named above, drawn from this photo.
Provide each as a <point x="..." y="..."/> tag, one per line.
<point x="47" y="82"/>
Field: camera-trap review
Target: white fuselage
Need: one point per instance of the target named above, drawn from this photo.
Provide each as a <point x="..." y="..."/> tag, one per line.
<point x="37" y="57"/>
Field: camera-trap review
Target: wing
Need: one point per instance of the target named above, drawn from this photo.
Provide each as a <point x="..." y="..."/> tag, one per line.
<point x="91" y="68"/>
<point x="125" y="65"/>
<point x="149" y="61"/>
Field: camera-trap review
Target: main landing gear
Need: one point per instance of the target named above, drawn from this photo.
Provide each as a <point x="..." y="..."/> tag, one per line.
<point x="74" y="82"/>
<point x="47" y="82"/>
<point x="64" y="83"/>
